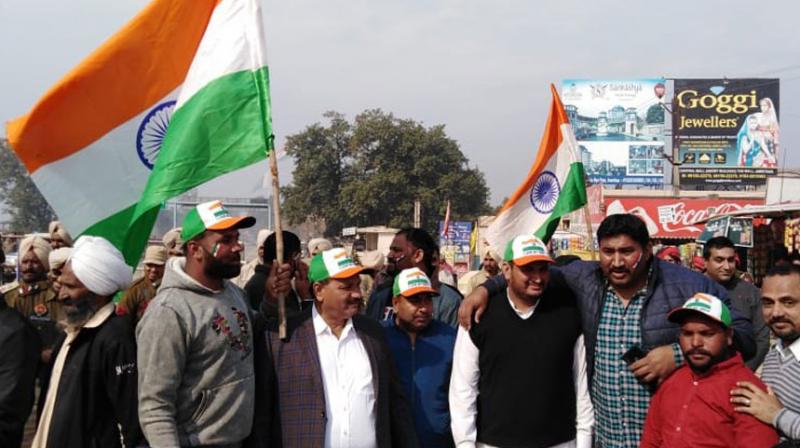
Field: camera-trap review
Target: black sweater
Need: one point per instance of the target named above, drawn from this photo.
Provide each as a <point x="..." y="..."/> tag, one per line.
<point x="526" y="388"/>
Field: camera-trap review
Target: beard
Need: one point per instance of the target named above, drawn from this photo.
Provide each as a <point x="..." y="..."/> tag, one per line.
<point x="80" y="312"/>
<point x="712" y="361"/>
<point x="219" y="269"/>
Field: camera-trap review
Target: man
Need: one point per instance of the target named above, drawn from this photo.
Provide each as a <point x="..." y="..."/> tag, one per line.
<point x="91" y="397"/>
<point x="136" y="298"/>
<point x="415" y="248"/>
<point x="249" y="268"/>
<point x="719" y="254"/>
<point x="318" y="245"/>
<point x="336" y="383"/>
<point x="57" y="259"/>
<point x="19" y="359"/>
<point x="692" y="407"/>
<point x="519" y="376"/>
<point x="422" y="349"/>
<point x="670" y="254"/>
<point x="698" y="264"/>
<point x="780" y="406"/>
<point x="289" y="279"/>
<point x="172" y="241"/>
<point x="33" y="296"/>
<point x="630" y="344"/>
<point x="196" y="381"/>
<point x="59" y="237"/>
<point x="489" y="268"/>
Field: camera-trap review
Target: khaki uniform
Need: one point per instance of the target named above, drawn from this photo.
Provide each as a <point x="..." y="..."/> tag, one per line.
<point x="38" y="303"/>
<point x="136" y="298"/>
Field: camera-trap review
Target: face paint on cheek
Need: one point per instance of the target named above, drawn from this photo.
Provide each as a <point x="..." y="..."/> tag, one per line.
<point x="215" y="250"/>
<point x="638" y="260"/>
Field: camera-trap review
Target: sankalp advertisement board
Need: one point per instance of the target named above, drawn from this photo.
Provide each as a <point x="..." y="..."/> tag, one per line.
<point x="727" y="131"/>
<point x="619" y="126"/>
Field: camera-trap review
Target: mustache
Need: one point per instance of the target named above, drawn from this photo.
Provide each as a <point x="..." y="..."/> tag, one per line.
<point x="777" y="320"/>
<point x="697" y="351"/>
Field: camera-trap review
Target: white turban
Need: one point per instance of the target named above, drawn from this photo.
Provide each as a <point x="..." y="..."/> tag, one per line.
<point x="40" y="247"/>
<point x="100" y="266"/>
<point x="58" y="257"/>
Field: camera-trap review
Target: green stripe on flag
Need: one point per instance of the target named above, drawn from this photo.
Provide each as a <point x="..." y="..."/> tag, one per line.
<point x="571" y="198"/>
<point x="225" y="126"/>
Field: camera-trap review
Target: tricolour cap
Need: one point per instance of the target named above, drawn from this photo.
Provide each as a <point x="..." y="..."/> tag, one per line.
<point x="705" y="304"/>
<point x="333" y="263"/>
<point x="412" y="281"/>
<point x="526" y="249"/>
<point x="211" y="216"/>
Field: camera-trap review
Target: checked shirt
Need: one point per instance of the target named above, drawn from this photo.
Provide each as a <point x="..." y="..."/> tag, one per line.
<point x="620" y="400"/>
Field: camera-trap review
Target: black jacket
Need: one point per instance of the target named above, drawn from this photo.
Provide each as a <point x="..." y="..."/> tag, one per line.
<point x="96" y="405"/>
<point x="19" y="359"/>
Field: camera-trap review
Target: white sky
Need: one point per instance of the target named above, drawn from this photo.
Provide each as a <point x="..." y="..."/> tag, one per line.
<point x="482" y="68"/>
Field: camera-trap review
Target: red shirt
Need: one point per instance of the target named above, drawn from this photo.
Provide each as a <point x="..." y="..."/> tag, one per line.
<point x="695" y="411"/>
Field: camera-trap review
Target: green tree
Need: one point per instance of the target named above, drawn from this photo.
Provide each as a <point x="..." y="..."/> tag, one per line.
<point x="371" y="171"/>
<point x="27" y="207"/>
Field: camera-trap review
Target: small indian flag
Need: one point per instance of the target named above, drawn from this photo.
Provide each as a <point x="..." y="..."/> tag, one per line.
<point x="179" y="96"/>
<point x="553" y="188"/>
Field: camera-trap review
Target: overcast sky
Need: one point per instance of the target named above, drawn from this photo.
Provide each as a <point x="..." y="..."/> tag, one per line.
<point x="481" y="68"/>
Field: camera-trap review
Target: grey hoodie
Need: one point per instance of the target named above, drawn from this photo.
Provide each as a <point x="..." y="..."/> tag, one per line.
<point x="195" y="352"/>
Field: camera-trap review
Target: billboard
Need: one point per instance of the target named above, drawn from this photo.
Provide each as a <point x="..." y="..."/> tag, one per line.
<point x="674" y="217"/>
<point x="726" y="130"/>
<point x="455" y="245"/>
<point x="619" y="125"/>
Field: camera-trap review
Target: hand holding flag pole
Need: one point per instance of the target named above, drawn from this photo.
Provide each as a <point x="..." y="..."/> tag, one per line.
<point x="276" y="207"/>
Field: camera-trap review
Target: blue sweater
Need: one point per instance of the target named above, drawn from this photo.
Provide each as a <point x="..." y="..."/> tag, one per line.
<point x="425" y="372"/>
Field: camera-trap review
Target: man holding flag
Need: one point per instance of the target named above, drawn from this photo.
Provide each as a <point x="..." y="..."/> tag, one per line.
<point x="623" y="298"/>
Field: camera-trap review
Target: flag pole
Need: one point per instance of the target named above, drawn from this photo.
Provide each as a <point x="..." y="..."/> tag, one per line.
<point x="276" y="208"/>
<point x="589" y="232"/>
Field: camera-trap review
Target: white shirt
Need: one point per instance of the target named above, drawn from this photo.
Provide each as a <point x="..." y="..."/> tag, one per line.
<point x="464" y="391"/>
<point x="349" y="391"/>
<point x="792" y="349"/>
<point x="43" y="430"/>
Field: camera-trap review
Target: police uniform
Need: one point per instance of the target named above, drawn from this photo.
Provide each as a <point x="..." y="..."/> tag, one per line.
<point x="37" y="302"/>
<point x="134" y="301"/>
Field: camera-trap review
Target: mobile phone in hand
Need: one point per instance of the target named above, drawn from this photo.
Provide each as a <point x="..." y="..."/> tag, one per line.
<point x="633" y="354"/>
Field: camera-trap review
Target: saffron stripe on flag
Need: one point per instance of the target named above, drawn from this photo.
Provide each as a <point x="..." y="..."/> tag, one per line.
<point x="151" y="55"/>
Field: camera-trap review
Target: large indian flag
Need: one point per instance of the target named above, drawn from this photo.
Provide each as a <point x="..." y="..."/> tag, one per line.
<point x="553" y="188"/>
<point x="177" y="97"/>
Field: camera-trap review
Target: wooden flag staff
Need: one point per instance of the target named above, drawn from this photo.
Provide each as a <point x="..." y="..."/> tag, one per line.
<point x="276" y="207"/>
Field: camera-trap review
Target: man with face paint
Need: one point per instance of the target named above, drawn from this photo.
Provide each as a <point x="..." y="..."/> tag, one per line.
<point x="630" y="345"/>
<point x="195" y="343"/>
<point x="91" y="397"/>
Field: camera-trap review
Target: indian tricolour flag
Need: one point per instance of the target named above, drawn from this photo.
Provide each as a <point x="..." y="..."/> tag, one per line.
<point x="553" y="188"/>
<point x="177" y="97"/>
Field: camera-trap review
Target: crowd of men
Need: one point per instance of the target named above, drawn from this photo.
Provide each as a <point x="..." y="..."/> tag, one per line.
<point x="631" y="350"/>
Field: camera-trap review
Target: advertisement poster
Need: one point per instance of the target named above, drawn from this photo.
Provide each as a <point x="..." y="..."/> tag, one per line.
<point x="455" y="245"/>
<point x="727" y="130"/>
<point x="619" y="125"/>
<point x="678" y="218"/>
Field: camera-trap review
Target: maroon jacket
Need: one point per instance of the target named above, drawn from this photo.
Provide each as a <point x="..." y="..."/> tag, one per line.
<point x="301" y="394"/>
<point x="689" y="411"/>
